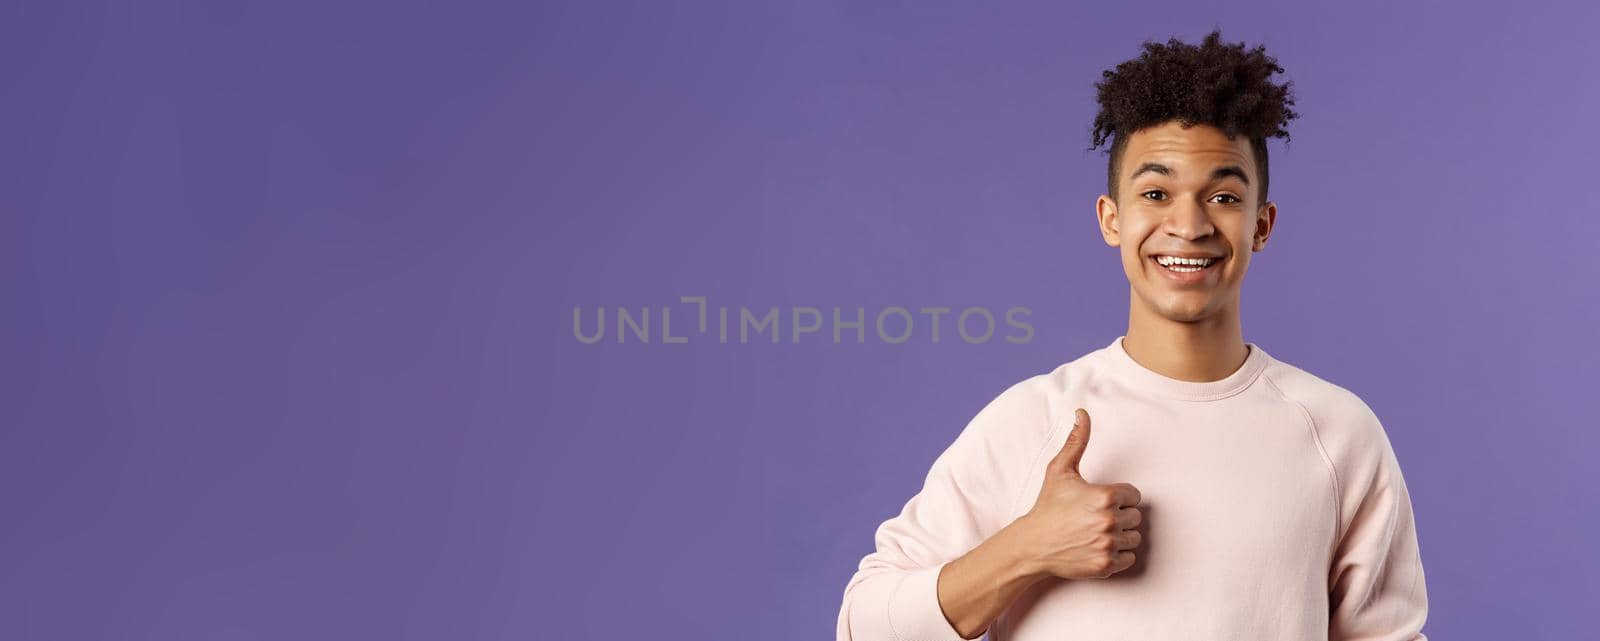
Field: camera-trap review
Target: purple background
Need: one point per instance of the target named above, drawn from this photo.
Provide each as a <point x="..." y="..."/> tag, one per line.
<point x="287" y="292"/>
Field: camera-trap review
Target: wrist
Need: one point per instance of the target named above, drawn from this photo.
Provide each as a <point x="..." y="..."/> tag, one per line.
<point x="1012" y="546"/>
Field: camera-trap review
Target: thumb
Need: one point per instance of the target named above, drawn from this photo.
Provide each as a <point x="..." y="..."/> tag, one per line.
<point x="1071" y="453"/>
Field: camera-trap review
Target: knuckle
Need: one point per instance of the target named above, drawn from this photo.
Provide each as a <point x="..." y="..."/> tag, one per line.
<point x="1107" y="498"/>
<point x="1102" y="566"/>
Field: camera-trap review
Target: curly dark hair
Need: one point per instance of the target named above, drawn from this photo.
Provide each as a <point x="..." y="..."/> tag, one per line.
<point x="1217" y="84"/>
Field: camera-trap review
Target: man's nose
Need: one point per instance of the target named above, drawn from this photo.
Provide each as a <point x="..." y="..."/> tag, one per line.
<point x="1190" y="221"/>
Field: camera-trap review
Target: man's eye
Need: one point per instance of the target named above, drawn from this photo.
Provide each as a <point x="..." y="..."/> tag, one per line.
<point x="1232" y="199"/>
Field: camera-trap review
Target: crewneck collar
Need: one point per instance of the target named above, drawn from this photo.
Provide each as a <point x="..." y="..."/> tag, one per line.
<point x="1148" y="380"/>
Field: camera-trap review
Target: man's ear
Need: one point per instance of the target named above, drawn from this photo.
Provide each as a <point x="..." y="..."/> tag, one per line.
<point x="1105" y="210"/>
<point x="1265" y="219"/>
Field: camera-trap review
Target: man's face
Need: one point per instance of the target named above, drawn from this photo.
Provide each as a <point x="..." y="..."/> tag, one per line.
<point x="1182" y="194"/>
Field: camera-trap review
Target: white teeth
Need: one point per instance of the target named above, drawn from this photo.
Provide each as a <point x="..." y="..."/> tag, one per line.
<point x="1169" y="261"/>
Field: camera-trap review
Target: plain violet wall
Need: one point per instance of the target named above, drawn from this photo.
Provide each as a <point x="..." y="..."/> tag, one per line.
<point x="287" y="295"/>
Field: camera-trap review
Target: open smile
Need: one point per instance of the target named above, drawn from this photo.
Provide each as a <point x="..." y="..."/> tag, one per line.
<point x="1188" y="271"/>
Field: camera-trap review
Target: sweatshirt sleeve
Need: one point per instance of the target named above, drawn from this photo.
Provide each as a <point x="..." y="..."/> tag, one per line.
<point x="968" y="494"/>
<point x="1376" y="586"/>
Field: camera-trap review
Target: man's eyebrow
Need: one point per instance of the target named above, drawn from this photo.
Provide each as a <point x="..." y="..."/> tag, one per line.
<point x="1216" y="174"/>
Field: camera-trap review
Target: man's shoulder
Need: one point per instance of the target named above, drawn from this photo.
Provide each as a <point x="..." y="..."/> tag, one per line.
<point x="1335" y="412"/>
<point x="1031" y="406"/>
<point x="1057" y="383"/>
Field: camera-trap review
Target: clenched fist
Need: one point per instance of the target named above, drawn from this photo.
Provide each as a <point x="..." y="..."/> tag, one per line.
<point x="1077" y="529"/>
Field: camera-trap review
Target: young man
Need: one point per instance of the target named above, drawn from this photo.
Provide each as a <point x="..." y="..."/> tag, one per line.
<point x="1224" y="494"/>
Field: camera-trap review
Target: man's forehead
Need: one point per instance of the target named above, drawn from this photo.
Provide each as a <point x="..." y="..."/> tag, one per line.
<point x="1202" y="146"/>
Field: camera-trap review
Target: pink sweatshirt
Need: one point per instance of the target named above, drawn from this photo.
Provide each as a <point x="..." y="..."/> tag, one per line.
<point x="1273" y="509"/>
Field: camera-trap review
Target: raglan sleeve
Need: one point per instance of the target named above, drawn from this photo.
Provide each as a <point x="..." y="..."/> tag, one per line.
<point x="967" y="495"/>
<point x="1377" y="590"/>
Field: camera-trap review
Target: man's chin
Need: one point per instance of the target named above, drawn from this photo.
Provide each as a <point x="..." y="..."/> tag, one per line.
<point x="1186" y="313"/>
<point x="1182" y="307"/>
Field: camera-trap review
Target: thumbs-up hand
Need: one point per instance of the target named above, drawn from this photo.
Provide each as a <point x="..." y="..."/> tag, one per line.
<point x="1077" y="529"/>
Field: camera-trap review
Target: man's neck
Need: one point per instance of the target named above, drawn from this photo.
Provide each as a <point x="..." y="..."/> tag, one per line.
<point x="1205" y="350"/>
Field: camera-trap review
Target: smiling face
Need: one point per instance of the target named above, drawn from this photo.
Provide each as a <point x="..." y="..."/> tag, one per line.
<point x="1189" y="194"/>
